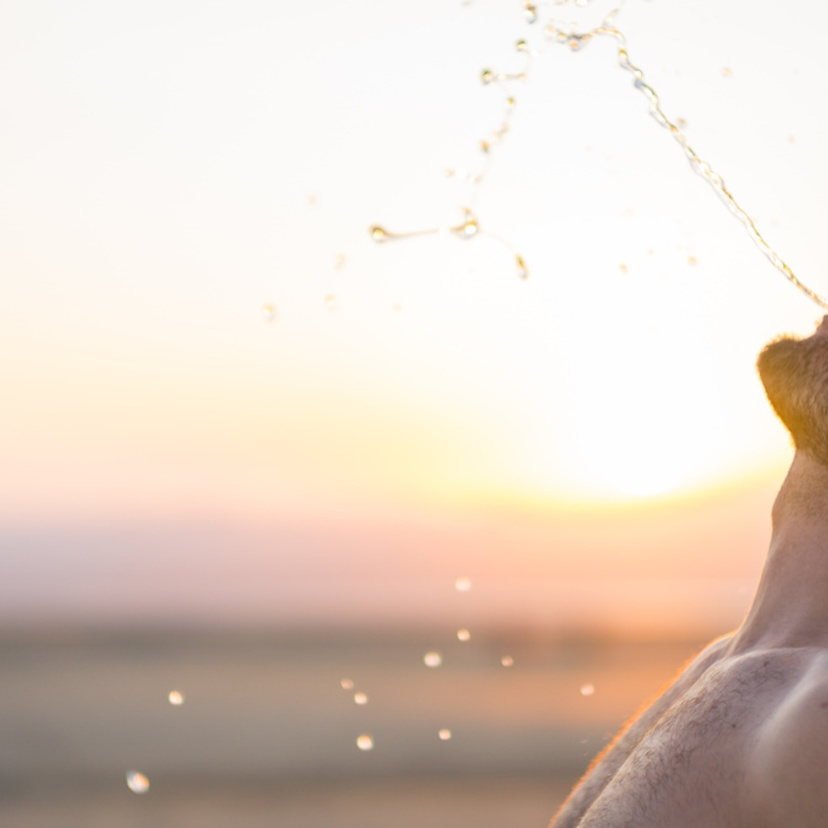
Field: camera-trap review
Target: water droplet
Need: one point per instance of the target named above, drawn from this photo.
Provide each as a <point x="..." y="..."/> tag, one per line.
<point x="176" y="697"/>
<point x="530" y="11"/>
<point x="587" y="689"/>
<point x="469" y="227"/>
<point x="269" y="313"/>
<point x="433" y="659"/>
<point x="137" y="782"/>
<point x="331" y="302"/>
<point x="507" y="661"/>
<point x="346" y="684"/>
<point x="365" y="742"/>
<point x="510" y="102"/>
<point x="444" y="734"/>
<point x="360" y="698"/>
<point x="523" y="271"/>
<point x="487" y="76"/>
<point x="521" y="46"/>
<point x="485" y="146"/>
<point x="463" y="635"/>
<point x="339" y="261"/>
<point x="379" y="234"/>
<point x="462" y="584"/>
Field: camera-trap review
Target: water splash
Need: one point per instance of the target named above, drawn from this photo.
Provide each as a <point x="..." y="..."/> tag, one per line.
<point x="576" y="40"/>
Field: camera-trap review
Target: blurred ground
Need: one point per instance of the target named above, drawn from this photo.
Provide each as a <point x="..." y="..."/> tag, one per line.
<point x="414" y="804"/>
<point x="267" y="735"/>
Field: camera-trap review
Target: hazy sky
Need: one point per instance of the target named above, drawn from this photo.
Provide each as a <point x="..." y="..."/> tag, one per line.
<point x="170" y="169"/>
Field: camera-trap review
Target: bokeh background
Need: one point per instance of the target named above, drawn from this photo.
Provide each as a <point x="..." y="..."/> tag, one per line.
<point x="246" y="451"/>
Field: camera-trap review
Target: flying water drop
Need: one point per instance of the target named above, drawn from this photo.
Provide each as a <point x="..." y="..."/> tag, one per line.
<point x="463" y="635"/>
<point x="469" y="227"/>
<point x="176" y="698"/>
<point x="523" y="271"/>
<point x="269" y="313"/>
<point x="462" y="584"/>
<point x="433" y="659"/>
<point x="380" y="234"/>
<point x="346" y="684"/>
<point x="137" y="782"/>
<point x="365" y="742"/>
<point x="360" y="698"/>
<point x="487" y="76"/>
<point x="444" y="734"/>
<point x="587" y="690"/>
<point x="507" y="661"/>
<point x="530" y="12"/>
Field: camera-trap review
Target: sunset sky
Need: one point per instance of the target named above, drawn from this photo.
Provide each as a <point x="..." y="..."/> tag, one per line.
<point x="590" y="445"/>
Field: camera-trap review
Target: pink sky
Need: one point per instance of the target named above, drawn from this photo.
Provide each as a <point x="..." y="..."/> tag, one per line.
<point x="689" y="566"/>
